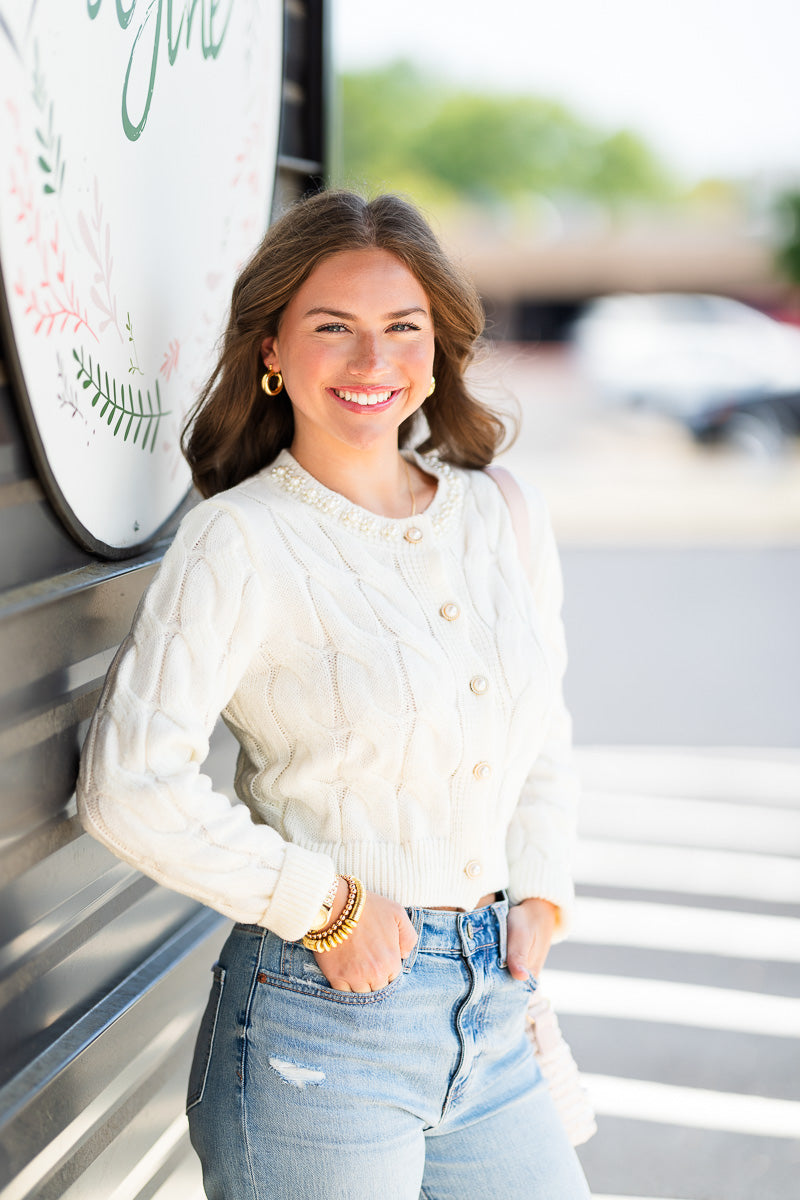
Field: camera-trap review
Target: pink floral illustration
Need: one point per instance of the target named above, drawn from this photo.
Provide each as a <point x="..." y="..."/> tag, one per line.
<point x="96" y="237"/>
<point x="245" y="170"/>
<point x="52" y="300"/>
<point x="170" y="362"/>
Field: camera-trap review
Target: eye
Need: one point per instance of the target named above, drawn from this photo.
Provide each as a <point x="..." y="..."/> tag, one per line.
<point x="402" y="326"/>
<point x="331" y="327"/>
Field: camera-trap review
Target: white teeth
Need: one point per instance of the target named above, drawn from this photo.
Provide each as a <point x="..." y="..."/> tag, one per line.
<point x="363" y="398"/>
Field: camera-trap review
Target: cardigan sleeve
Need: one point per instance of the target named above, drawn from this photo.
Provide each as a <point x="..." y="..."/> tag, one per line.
<point x="141" y="790"/>
<point x="542" y="830"/>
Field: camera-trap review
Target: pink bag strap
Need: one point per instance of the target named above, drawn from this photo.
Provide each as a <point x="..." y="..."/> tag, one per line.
<point x="520" y="518"/>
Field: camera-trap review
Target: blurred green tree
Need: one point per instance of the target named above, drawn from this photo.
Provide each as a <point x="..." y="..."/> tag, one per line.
<point x="381" y="113"/>
<point x="398" y="126"/>
<point x="626" y="169"/>
<point x="492" y="147"/>
<point x="788" y="241"/>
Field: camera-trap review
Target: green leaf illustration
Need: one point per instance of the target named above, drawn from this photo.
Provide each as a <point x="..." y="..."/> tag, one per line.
<point x="51" y="162"/>
<point x="118" y="406"/>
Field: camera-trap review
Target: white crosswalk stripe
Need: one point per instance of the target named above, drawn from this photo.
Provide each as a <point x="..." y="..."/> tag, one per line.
<point x="682" y="822"/>
<point x="714" y="773"/>
<point x="687" y="869"/>
<point x="663" y="1001"/>
<point x="698" y="1108"/>
<point x="725" y="835"/>
<point x="687" y="928"/>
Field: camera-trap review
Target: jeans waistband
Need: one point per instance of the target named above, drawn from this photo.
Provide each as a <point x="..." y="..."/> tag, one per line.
<point x="442" y="932"/>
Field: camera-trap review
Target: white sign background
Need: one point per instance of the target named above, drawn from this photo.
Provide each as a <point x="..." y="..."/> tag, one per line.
<point x="139" y="149"/>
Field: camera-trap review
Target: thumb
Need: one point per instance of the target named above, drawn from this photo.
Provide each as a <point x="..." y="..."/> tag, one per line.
<point x="518" y="966"/>
<point x="518" y="954"/>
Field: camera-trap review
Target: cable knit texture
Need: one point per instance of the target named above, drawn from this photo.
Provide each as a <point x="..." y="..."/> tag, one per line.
<point x="421" y="747"/>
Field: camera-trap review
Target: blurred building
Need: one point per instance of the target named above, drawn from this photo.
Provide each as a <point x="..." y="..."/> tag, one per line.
<point x="534" y="289"/>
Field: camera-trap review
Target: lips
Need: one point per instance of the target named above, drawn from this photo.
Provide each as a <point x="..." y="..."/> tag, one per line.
<point x="376" y="398"/>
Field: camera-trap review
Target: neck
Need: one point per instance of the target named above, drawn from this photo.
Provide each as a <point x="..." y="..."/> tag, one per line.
<point x="374" y="479"/>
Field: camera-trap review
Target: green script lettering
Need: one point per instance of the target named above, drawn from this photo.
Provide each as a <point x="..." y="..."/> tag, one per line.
<point x="212" y="36"/>
<point x="124" y="17"/>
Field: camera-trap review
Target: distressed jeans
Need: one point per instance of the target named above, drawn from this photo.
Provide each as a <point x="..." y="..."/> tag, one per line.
<point x="424" y="1090"/>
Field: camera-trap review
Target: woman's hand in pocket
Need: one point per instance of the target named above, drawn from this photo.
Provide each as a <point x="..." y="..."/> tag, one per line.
<point x="372" y="955"/>
<point x="530" y="932"/>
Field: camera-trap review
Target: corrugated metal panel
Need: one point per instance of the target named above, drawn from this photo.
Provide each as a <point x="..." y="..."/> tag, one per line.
<point x="103" y="975"/>
<point x="33" y="543"/>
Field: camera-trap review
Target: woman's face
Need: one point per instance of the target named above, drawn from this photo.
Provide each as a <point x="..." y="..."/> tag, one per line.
<point x="355" y="346"/>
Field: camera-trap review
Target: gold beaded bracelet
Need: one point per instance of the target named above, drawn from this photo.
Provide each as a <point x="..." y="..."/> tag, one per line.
<point x="325" y="939"/>
<point x="352" y="895"/>
<point x="326" y="930"/>
<point x="340" y="930"/>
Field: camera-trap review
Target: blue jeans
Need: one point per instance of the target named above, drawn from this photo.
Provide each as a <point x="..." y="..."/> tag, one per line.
<point x="424" y="1090"/>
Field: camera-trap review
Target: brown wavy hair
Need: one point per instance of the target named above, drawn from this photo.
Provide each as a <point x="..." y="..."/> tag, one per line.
<point x="234" y="430"/>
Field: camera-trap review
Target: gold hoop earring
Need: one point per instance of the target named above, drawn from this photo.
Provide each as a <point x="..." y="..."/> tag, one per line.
<point x="272" y="381"/>
<point x="432" y="388"/>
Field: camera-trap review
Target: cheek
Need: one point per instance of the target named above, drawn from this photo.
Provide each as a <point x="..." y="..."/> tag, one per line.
<point x="310" y="364"/>
<point x="421" y="355"/>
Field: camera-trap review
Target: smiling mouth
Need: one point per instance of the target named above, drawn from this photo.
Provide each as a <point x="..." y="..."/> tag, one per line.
<point x="373" y="399"/>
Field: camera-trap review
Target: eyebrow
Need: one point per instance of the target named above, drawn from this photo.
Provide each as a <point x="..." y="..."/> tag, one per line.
<point x="346" y="316"/>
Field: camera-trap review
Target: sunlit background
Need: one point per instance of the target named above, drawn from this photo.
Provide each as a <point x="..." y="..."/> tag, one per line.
<point x="574" y="151"/>
<point x="622" y="180"/>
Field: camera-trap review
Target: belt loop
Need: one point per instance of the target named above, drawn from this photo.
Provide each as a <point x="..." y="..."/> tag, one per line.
<point x="416" y="917"/>
<point x="263" y="941"/>
<point x="501" y="913"/>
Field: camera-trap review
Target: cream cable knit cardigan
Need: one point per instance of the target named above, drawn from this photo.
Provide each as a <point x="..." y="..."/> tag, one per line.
<point x="395" y="688"/>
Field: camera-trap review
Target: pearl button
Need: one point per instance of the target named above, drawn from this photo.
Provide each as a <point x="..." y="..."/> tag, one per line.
<point x="413" y="534"/>
<point x="479" y="684"/>
<point x="482" y="770"/>
<point x="450" y="611"/>
<point x="473" y="869"/>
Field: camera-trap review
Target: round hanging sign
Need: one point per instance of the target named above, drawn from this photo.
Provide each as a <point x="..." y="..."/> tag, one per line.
<point x="140" y="142"/>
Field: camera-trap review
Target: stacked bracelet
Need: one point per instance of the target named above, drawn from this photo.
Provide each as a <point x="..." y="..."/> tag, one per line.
<point x="325" y="939"/>
<point x="324" y="914"/>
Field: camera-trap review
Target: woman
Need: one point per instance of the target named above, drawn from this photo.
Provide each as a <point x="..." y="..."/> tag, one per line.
<point x="364" y="623"/>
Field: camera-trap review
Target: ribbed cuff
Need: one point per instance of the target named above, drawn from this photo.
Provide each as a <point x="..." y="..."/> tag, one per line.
<point x="545" y="881"/>
<point x="303" y="883"/>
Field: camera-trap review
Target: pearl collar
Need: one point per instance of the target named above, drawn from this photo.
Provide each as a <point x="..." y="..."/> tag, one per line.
<point x="440" y="514"/>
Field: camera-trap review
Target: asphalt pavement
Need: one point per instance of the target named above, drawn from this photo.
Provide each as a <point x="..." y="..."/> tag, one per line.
<point x="695" y="645"/>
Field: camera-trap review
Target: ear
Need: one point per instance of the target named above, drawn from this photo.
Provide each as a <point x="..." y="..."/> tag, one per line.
<point x="269" y="352"/>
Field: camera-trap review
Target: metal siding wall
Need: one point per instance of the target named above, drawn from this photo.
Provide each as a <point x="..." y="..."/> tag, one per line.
<point x="103" y="974"/>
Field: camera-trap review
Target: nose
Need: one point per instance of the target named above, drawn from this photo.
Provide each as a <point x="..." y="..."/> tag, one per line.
<point x="368" y="355"/>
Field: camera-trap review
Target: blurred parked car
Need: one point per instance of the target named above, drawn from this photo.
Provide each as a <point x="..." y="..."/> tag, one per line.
<point x="722" y="368"/>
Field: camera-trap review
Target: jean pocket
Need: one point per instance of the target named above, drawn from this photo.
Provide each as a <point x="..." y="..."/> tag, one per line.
<point x="198" y="1073"/>
<point x="300" y="972"/>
